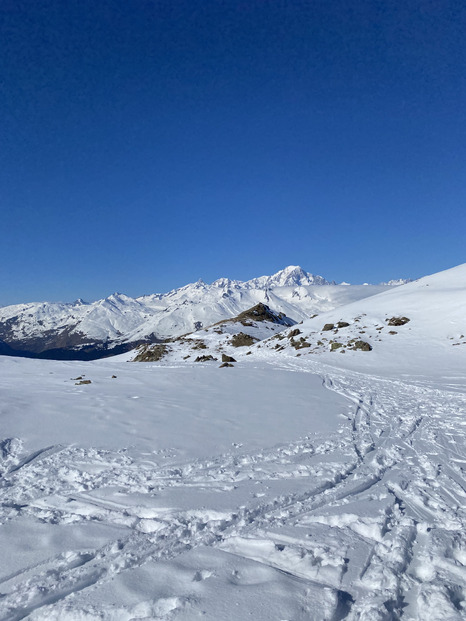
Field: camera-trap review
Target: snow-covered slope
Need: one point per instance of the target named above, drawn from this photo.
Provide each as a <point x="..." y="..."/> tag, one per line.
<point x="394" y="330"/>
<point x="119" y="320"/>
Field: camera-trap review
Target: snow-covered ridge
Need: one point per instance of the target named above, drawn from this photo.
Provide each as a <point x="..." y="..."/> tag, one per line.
<point x="120" y="320"/>
<point x="397" y="282"/>
<point x="399" y="328"/>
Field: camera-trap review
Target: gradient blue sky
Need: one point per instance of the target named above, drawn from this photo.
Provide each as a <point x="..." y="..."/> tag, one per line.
<point x="145" y="144"/>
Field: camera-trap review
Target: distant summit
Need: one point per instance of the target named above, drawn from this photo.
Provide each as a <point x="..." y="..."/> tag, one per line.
<point x="397" y="282"/>
<point x="291" y="276"/>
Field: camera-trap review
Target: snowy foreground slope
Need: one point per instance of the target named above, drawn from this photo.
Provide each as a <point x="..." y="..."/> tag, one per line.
<point x="321" y="486"/>
<point x="420" y="326"/>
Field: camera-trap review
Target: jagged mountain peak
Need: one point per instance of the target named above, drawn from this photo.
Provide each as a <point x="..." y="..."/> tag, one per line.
<point x="397" y="281"/>
<point x="290" y="276"/>
<point x="199" y="284"/>
<point x="226" y="283"/>
<point x="119" y="296"/>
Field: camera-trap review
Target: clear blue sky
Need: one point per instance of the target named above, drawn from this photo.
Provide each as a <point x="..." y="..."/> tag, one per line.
<point x="145" y="144"/>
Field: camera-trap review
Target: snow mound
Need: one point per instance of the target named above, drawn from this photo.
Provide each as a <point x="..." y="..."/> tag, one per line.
<point x="226" y="341"/>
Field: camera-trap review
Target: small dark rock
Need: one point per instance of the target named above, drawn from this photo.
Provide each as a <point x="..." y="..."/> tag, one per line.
<point x="328" y="327"/>
<point x="205" y="358"/>
<point x="362" y="346"/>
<point x="226" y="358"/>
<point x="226" y="364"/>
<point x="342" y="324"/>
<point x="242" y="340"/>
<point x="83" y="382"/>
<point x="397" y="321"/>
<point x="293" y="333"/>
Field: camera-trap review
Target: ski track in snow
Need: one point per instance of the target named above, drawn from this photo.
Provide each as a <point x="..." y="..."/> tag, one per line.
<point x="375" y="512"/>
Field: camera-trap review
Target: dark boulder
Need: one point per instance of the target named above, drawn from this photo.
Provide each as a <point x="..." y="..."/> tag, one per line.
<point x="226" y="358"/>
<point x="397" y="321"/>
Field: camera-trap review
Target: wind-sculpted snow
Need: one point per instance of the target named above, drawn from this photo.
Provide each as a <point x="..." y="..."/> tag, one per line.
<point x="307" y="492"/>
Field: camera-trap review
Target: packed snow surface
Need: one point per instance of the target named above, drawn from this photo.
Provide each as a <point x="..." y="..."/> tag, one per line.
<point x="290" y="487"/>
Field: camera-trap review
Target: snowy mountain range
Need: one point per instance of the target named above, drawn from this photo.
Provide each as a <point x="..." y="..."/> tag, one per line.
<point x="399" y="327"/>
<point x="81" y="330"/>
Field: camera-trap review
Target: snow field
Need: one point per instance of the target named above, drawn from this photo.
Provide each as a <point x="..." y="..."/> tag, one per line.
<point x="284" y="489"/>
